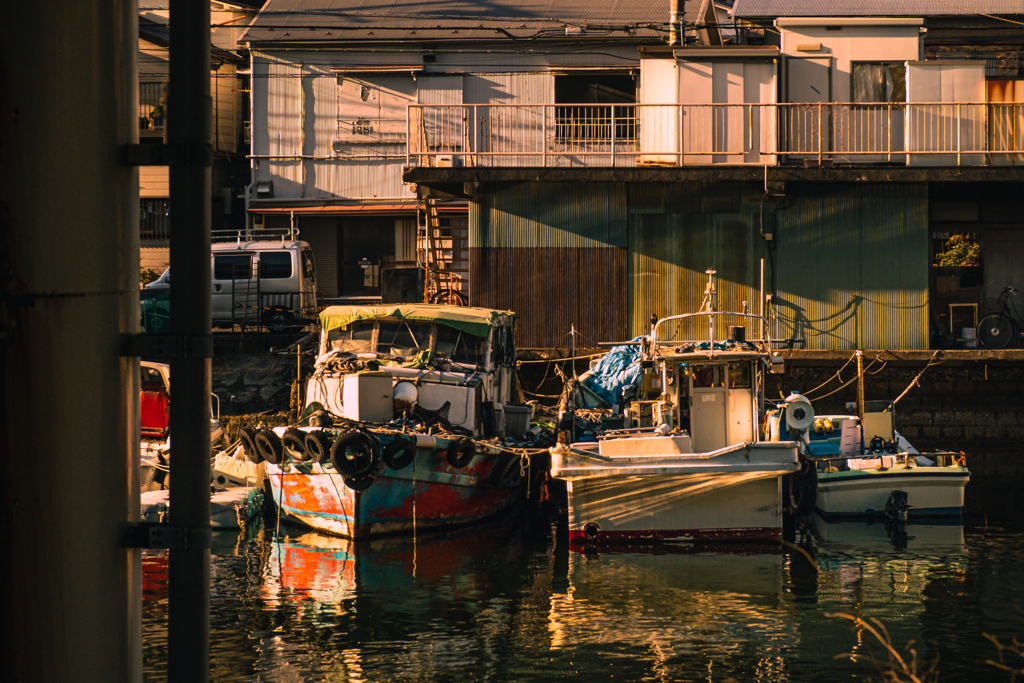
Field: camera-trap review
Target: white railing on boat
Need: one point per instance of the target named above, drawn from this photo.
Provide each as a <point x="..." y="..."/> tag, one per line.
<point x="765" y="335"/>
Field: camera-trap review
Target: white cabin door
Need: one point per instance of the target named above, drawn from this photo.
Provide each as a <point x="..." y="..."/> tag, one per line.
<point x="708" y="410"/>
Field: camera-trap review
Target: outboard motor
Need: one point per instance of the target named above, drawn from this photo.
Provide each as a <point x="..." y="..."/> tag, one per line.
<point x="897" y="505"/>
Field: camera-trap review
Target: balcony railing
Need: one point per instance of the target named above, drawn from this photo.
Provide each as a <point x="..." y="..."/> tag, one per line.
<point x="151" y="107"/>
<point x="557" y="135"/>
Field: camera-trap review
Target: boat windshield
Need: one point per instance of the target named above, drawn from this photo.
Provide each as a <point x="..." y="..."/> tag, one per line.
<point x="403" y="338"/>
<point x="739" y="376"/>
<point x="459" y="346"/>
<point x="354" y="338"/>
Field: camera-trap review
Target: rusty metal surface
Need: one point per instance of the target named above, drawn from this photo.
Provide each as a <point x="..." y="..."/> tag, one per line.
<point x="429" y="491"/>
<point x="552" y="288"/>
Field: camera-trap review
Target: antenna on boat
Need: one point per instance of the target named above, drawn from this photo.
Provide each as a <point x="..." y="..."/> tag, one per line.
<point x="710" y="304"/>
<point x="575" y="385"/>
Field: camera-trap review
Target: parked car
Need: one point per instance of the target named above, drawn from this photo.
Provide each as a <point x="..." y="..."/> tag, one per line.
<point x="270" y="283"/>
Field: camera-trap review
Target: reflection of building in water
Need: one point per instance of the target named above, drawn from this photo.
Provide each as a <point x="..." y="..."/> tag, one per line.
<point x="708" y="604"/>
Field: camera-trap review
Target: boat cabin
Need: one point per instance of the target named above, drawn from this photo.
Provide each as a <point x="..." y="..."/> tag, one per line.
<point x="714" y="398"/>
<point x="704" y="401"/>
<point x="377" y="361"/>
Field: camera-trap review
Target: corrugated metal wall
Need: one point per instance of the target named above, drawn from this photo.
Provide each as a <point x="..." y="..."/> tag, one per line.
<point x="284" y="129"/>
<point x="853" y="266"/>
<point x="554" y="253"/>
<point x="852" y="261"/>
<point x="676" y="233"/>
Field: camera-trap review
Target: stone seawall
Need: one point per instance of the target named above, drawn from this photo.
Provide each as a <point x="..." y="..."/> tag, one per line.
<point x="255" y="382"/>
<point x="965" y="401"/>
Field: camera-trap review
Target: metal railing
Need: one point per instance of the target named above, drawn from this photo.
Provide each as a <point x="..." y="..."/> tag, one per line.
<point x="154" y="219"/>
<point x="603" y="135"/>
<point x="151" y="106"/>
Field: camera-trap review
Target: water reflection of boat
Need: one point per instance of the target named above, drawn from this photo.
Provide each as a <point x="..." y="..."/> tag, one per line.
<point x="327" y="569"/>
<point x="860" y="535"/>
<point x="668" y="601"/>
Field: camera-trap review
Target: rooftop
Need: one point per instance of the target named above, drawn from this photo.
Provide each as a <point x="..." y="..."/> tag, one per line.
<point x="770" y="9"/>
<point x="461" y="20"/>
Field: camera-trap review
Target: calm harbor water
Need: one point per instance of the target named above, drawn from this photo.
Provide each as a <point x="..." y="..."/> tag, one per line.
<point x="495" y="604"/>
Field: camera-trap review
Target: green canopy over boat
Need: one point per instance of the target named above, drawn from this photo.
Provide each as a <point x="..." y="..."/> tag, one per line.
<point x="475" y="321"/>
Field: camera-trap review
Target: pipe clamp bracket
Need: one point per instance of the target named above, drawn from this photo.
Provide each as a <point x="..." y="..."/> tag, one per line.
<point x="165" y="537"/>
<point x="168" y="155"/>
<point x="168" y="346"/>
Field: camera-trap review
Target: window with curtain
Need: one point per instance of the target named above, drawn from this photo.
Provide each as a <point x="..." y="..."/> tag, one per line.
<point x="879" y="82"/>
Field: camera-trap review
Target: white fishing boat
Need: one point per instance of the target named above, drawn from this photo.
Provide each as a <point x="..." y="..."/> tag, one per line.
<point x="867" y="469"/>
<point x="693" y="463"/>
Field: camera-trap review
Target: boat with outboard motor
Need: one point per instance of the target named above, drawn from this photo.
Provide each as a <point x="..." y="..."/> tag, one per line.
<point x="865" y="468"/>
<point x="409" y="423"/>
<point x="691" y="461"/>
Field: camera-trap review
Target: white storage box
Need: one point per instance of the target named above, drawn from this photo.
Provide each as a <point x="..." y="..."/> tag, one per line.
<point x="367" y="397"/>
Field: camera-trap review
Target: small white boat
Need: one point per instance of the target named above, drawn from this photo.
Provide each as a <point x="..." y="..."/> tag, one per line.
<point x="694" y="464"/>
<point x="869" y="469"/>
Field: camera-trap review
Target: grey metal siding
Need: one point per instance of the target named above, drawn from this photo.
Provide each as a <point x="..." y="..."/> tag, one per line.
<point x="850" y="261"/>
<point x="553" y="215"/>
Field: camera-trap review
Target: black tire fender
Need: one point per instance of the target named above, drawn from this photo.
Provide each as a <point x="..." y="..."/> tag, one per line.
<point x="803" y="488"/>
<point x="318" y="446"/>
<point x="294" y="444"/>
<point x="399" y="453"/>
<point x="269" y="446"/>
<point x="246" y="436"/>
<point x="507" y="471"/>
<point x="460" y="453"/>
<point x="355" y="453"/>
<point x="360" y="482"/>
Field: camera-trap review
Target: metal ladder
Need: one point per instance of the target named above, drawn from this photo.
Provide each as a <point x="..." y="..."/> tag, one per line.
<point x="445" y="257"/>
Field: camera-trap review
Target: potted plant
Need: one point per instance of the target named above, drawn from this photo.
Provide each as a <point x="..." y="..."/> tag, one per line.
<point x="158" y="114"/>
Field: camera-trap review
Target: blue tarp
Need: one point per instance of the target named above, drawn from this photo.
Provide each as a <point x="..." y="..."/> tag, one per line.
<point x="616" y="370"/>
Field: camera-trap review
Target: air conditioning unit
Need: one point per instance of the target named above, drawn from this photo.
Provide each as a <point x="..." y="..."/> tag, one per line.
<point x="448" y="161"/>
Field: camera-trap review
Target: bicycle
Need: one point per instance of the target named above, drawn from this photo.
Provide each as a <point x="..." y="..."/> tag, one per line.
<point x="997" y="329"/>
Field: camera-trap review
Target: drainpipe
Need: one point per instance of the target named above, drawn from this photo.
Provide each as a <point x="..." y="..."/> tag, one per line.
<point x="860" y="385"/>
<point x="254" y="165"/>
<point x="676" y="12"/>
<point x="70" y="588"/>
<point x="189" y="129"/>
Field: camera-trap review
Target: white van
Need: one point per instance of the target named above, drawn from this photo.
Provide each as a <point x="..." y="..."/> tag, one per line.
<point x="270" y="283"/>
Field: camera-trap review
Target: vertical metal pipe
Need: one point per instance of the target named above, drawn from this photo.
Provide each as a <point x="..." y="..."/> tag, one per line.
<point x="957" y="132"/>
<point x="676" y="12"/>
<point x="70" y="589"/>
<point x="860" y="384"/>
<point x="189" y="127"/>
